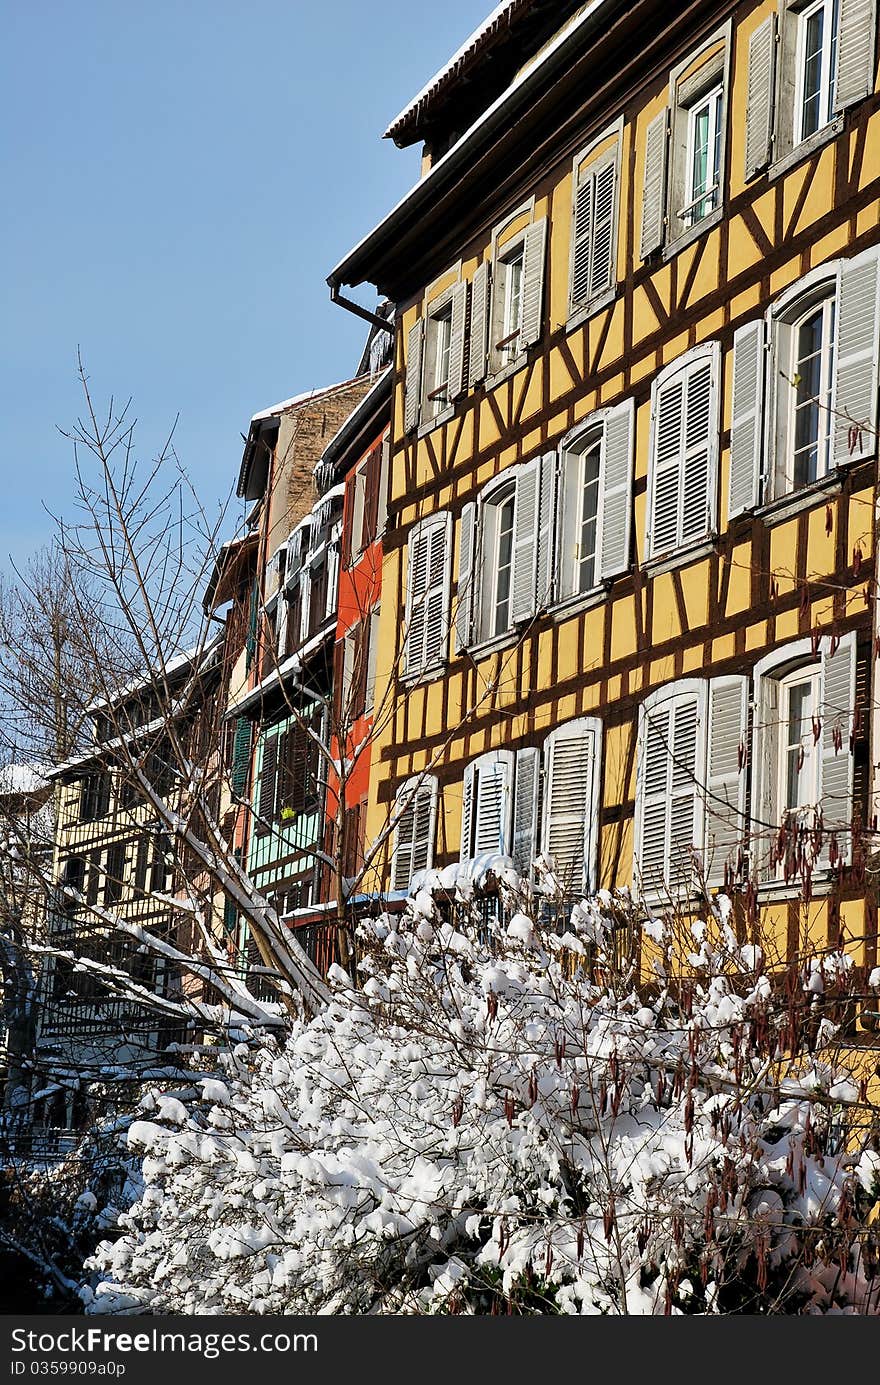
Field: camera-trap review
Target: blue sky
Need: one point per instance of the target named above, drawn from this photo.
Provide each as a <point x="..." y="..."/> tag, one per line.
<point x="178" y="180"/>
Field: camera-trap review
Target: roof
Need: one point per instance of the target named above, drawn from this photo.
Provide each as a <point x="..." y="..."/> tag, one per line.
<point x="226" y="572"/>
<point x="364" y="417"/>
<point x="20" y="780"/>
<point x="251" y="480"/>
<point x="402" y="127"/>
<point x="428" y="220"/>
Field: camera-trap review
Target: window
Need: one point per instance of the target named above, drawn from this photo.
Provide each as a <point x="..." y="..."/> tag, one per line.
<point x="802" y="790"/>
<point x="505" y="569"/>
<point x="683" y="462"/>
<point x="415" y="816"/>
<point x="806" y="66"/>
<point x="594" y="224"/>
<point x="704" y="156"/>
<point x="94" y="797"/>
<point x="507" y="298"/>
<point x="808" y="427"/>
<point x="427" y="595"/>
<point x="594" y="524"/>
<point x="816" y="66"/>
<point x="114" y="882"/>
<point x="684" y="155"/>
<point x="498" y="541"/>
<point x="810" y="368"/>
<point x="691" y="782"/>
<point x="503" y="803"/>
<point x="435" y="358"/>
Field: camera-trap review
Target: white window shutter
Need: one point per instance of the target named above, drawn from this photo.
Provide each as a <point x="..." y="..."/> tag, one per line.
<point x="457" y="383"/>
<point x="467" y="812"/>
<point x="747" y="417"/>
<point x="416" y="597"/>
<point x="856" y="46"/>
<point x="668" y="410"/>
<point x="492" y="777"/>
<point x="593" y="240"/>
<point x="617" y="490"/>
<point x="467" y="577"/>
<point x="413" y="848"/>
<point x="545" y="572"/>
<point x="765" y="775"/>
<point x="652" y="800"/>
<point x="571" y="754"/>
<point x="855" y="366"/>
<point x="479" y="334"/>
<point x="525" y="808"/>
<point x="525" y="539"/>
<point x="726" y="810"/>
<point x="700" y="451"/>
<point x="686" y="808"/>
<point x="437" y="599"/>
<point x="533" y="283"/>
<point x="669" y="808"/>
<point x="759" y="110"/>
<point x="427" y="594"/>
<point x="654" y="191"/>
<point x="413" y="384"/>
<point x="582" y="239"/>
<point x="838" y="703"/>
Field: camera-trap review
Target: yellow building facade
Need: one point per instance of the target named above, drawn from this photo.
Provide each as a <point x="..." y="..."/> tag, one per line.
<point x="628" y="611"/>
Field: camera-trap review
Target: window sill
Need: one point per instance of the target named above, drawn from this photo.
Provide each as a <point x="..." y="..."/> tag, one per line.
<point x="583" y="601"/>
<point x="445" y="414"/>
<point x="583" y="313"/>
<point x="665" y="562"/>
<point x="504" y="373"/>
<point x="806" y="147"/>
<point x="795" y="502"/>
<point x="425" y="675"/>
<point x="782" y="891"/>
<point x="494" y="645"/>
<point x="692" y="233"/>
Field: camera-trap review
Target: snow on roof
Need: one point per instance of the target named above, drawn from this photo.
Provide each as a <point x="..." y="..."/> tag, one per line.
<point x="482" y="31"/>
<point x="21" y="779"/>
<point x="418" y="190"/>
<point x="317" y="393"/>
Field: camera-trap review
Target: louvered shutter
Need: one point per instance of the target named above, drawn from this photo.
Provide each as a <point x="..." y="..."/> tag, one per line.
<point x="479" y="334"/>
<point x="525" y="808"/>
<point x="593" y="232"/>
<point x="747" y="417"/>
<point x="467" y="813"/>
<point x="437" y="598"/>
<point x="838" y="700"/>
<point x="617" y="490"/>
<point x="685" y="806"/>
<point x="654" y="191"/>
<point x="668" y="416"/>
<point x="492" y="774"/>
<point x="456" y="381"/>
<point x="759" y="110"/>
<point x="268" y="777"/>
<point x="413" y="383"/>
<point x="700" y="452"/>
<point x="544" y="567"/>
<point x="414" y="832"/>
<point x="467" y="577"/>
<point x="855" y="366"/>
<point x="241" y="754"/>
<point x="725" y="810"/>
<point x="416" y="597"/>
<point x="582" y="239"/>
<point x="766" y="814"/>
<point x="570" y="802"/>
<point x="525" y="539"/>
<point x="533" y="283"/>
<point x="856" y="39"/>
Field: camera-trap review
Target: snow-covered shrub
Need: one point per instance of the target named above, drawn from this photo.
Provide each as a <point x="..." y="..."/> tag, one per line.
<point x="495" y="1117"/>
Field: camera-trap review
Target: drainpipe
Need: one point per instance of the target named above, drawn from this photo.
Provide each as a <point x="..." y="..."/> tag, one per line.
<point x="352" y="307"/>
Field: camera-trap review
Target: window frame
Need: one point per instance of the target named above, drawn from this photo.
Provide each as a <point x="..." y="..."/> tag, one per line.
<point x="579" y="445"/>
<point x="828" y="68"/>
